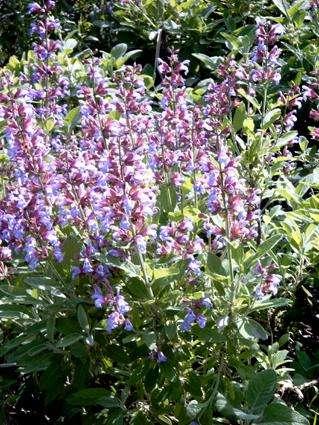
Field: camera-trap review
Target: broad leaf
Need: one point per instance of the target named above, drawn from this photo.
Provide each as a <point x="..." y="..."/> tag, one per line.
<point x="279" y="414"/>
<point x="261" y="389"/>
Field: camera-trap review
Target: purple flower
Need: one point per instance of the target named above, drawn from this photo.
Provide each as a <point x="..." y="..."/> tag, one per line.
<point x="128" y="325"/>
<point x="161" y="358"/>
<point x="195" y="267"/>
<point x="121" y="305"/>
<point x="58" y="254"/>
<point x="102" y="270"/>
<point x="98" y="297"/>
<point x="140" y="244"/>
<point x="49" y="4"/>
<point x="87" y="268"/>
<point x="201" y="320"/>
<point x="128" y="205"/>
<point x="206" y="302"/>
<point x="34" y="8"/>
<point x="5" y="253"/>
<point x="113" y="321"/>
<point x="189" y="319"/>
<point x="76" y="271"/>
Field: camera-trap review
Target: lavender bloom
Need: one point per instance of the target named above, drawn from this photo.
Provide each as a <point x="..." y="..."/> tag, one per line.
<point x="189" y="319"/>
<point x="206" y="302"/>
<point x="161" y="358"/>
<point x="5" y="253"/>
<point x="201" y="320"/>
<point x="34" y="8"/>
<point x="49" y="4"/>
<point x="58" y="254"/>
<point x="128" y="325"/>
<point x="140" y="244"/>
<point x="87" y="267"/>
<point x="121" y="305"/>
<point x="76" y="271"/>
<point x="113" y="321"/>
<point x="195" y="267"/>
<point x="98" y="297"/>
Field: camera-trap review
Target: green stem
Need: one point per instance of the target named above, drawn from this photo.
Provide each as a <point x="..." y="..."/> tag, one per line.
<point x="147" y="282"/>
<point x="233" y="288"/>
<point x="140" y="256"/>
<point x="157" y="51"/>
<point x="264" y="104"/>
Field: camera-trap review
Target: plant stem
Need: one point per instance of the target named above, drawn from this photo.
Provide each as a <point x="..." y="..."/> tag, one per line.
<point x="157" y="51"/>
<point x="229" y="254"/>
<point x="146" y="281"/>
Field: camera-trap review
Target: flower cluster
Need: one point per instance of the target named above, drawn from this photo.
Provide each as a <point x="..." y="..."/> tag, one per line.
<point x="194" y="314"/>
<point x="266" y="54"/>
<point x="268" y="280"/>
<point x="93" y="156"/>
<point x="292" y="102"/>
<point x="311" y="93"/>
<point x="230" y="197"/>
<point x="119" y="307"/>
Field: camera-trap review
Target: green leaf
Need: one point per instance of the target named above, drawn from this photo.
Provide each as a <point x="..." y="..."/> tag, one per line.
<point x="137" y="289"/>
<point x="119" y="50"/>
<point x="232" y="41"/>
<point x="165" y="419"/>
<point x="150" y="339"/>
<point x="93" y="397"/>
<point x="239" y="117"/>
<point x="282" y="6"/>
<point x="37" y="364"/>
<point x="250" y="329"/>
<point x="214" y="265"/>
<point x="167" y="198"/>
<point x="261" y="389"/>
<point x="130" y="269"/>
<point x="193" y="409"/>
<point x="83" y="318"/>
<point x="170" y="25"/>
<point x="70" y="44"/>
<point x="285" y="138"/>
<point x="68" y="340"/>
<point x="279" y="414"/>
<point x="123" y="59"/>
<point x="14" y="63"/>
<point x="49" y="125"/>
<point x="270" y="118"/>
<point x="249" y="98"/>
<point x="8" y="311"/>
<point x="164" y="276"/>
<point x="248" y="125"/>
<point x="72" y="117"/>
<point x="210" y="62"/>
<point x="263" y="249"/>
<point x="227" y="410"/>
<point x="148" y="81"/>
<point x="51" y="328"/>
<point x="151" y="378"/>
<point x="272" y="303"/>
<point x="43" y="283"/>
<point x="71" y="249"/>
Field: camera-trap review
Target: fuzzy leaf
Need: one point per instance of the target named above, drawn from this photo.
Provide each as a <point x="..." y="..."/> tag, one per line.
<point x="279" y="414"/>
<point x="261" y="389"/>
